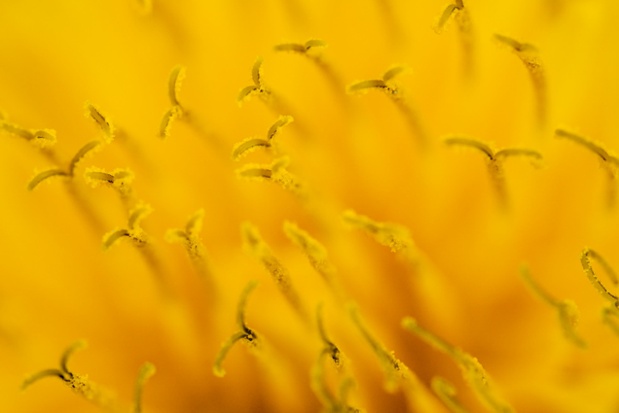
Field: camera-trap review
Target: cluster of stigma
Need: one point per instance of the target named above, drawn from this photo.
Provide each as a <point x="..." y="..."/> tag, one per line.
<point x="309" y="224"/>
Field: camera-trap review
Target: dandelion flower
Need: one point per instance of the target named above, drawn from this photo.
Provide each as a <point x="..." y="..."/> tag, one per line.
<point x="456" y="285"/>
